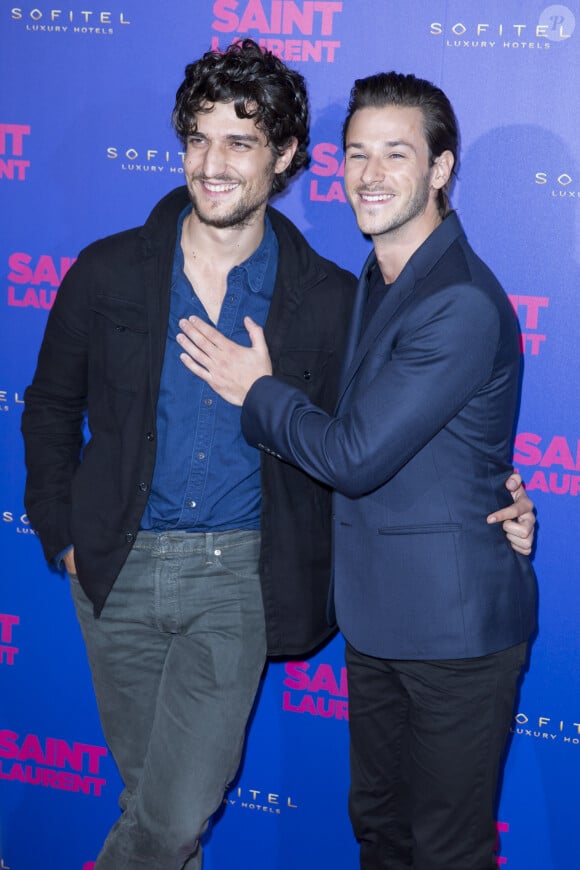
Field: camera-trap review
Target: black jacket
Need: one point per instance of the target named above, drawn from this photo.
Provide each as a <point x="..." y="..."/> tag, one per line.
<point x="102" y="354"/>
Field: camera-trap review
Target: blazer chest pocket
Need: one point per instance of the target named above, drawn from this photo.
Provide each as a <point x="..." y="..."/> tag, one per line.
<point x="304" y="368"/>
<point x="421" y="529"/>
<point x="120" y="338"/>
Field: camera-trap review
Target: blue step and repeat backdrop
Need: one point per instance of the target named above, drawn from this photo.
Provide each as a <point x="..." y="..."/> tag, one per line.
<point x="86" y="149"/>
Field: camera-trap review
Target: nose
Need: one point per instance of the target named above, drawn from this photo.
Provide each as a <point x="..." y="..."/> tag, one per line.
<point x="214" y="161"/>
<point x="373" y="170"/>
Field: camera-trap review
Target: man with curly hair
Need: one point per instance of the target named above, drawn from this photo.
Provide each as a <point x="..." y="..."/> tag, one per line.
<point x="193" y="555"/>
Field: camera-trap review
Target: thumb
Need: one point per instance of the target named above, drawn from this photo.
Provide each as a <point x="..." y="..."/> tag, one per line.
<point x="256" y="334"/>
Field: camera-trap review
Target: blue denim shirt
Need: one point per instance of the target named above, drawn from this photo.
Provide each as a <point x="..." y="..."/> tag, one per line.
<point x="207" y="478"/>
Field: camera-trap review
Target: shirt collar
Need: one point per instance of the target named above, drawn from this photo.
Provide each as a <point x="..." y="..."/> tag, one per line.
<point x="258" y="268"/>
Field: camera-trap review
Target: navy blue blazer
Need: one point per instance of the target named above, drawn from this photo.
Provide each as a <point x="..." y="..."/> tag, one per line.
<point x="417" y="452"/>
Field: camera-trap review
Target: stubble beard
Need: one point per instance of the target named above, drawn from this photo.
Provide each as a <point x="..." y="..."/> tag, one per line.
<point x="242" y="213"/>
<point x="415" y="207"/>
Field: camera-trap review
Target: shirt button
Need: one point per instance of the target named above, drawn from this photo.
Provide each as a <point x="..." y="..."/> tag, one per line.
<point x="201" y="455"/>
<point x="192" y="504"/>
<point x="217" y="552"/>
<point x="209" y="402"/>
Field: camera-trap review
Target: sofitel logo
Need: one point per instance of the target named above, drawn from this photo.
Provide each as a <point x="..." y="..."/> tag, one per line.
<point x="5" y="399"/>
<point x="147" y="160"/>
<point x="12" y="165"/>
<point x="547" y="729"/>
<point x="555" y="24"/>
<point x="259" y="800"/>
<point x="561" y="186"/>
<point x="85" y="21"/>
<point x="283" y="25"/>
<point x="23" y="526"/>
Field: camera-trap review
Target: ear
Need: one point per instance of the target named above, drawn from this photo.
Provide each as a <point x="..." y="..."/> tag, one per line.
<point x="441" y="170"/>
<point x="285" y="159"/>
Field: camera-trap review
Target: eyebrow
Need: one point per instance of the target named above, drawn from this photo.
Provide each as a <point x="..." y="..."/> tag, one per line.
<point x="390" y="143"/>
<point x="231" y="137"/>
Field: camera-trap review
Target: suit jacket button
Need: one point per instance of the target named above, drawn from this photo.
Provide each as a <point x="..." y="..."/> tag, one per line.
<point x="150" y="436"/>
<point x="143" y="486"/>
<point x="307" y="374"/>
<point x="129" y="537"/>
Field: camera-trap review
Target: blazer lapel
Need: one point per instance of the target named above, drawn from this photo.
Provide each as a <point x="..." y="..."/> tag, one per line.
<point x="356" y="317"/>
<point x="359" y="345"/>
<point x="420" y="264"/>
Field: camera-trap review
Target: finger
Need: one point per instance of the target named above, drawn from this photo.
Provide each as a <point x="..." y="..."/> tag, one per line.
<point x="191" y="348"/>
<point x="523" y="548"/>
<point x="195" y="367"/>
<point x="200" y="329"/>
<point x="524" y="504"/>
<point x="523" y="507"/>
<point x="194" y="337"/>
<point x="256" y="334"/>
<point x="514" y="481"/>
<point x="508" y="513"/>
<point x="520" y="529"/>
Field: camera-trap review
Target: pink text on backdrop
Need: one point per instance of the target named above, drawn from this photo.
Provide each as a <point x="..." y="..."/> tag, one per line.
<point x="51" y="762"/>
<point x="28" y="274"/>
<point x="8" y="651"/>
<point x="323" y="693"/>
<point x="556" y="453"/>
<point x="282" y="18"/>
<point x="12" y="166"/>
<point x="527" y="309"/>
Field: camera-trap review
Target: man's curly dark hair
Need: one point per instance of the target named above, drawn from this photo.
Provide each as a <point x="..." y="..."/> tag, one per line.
<point x="260" y="86"/>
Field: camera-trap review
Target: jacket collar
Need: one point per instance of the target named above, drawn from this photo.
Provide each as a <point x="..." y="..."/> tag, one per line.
<point x="299" y="267"/>
<point x="417" y="267"/>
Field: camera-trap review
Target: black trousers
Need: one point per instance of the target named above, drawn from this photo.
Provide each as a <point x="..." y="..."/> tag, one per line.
<point x="427" y="739"/>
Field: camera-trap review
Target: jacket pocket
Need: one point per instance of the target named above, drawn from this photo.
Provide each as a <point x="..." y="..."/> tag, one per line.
<point x="422" y="529"/>
<point x="120" y="339"/>
<point x="121" y="313"/>
<point x="304" y="368"/>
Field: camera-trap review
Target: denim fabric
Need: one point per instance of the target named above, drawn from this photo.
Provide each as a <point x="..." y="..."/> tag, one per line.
<point x="207" y="477"/>
<point x="176" y="658"/>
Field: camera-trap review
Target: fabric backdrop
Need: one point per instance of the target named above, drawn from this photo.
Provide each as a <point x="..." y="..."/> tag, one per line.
<point x="86" y="149"/>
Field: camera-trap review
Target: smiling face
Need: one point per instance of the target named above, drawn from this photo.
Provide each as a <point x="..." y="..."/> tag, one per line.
<point x="229" y="168"/>
<point x="390" y="180"/>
